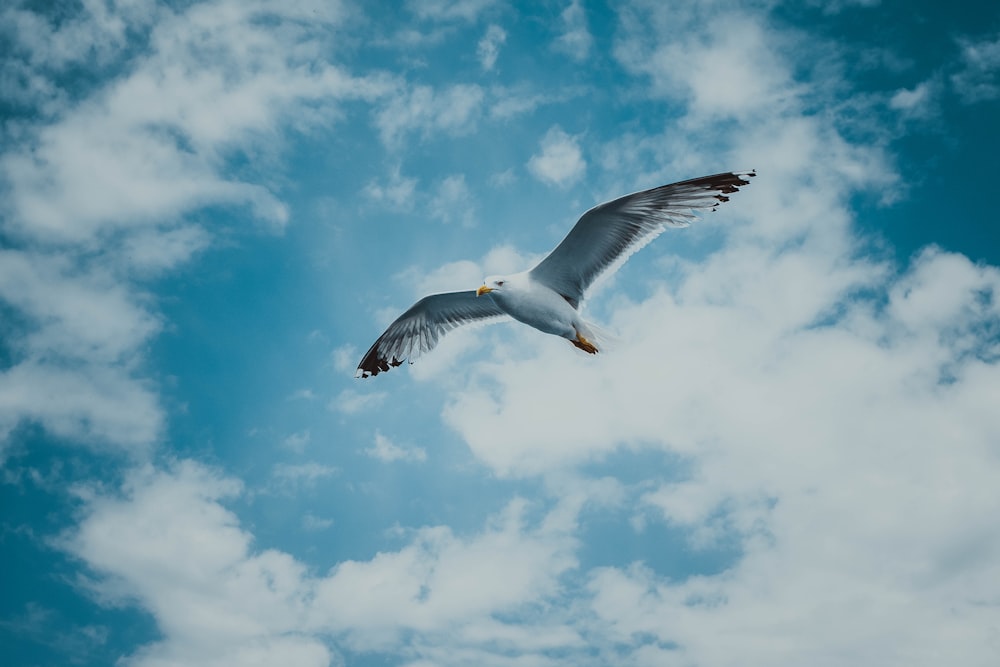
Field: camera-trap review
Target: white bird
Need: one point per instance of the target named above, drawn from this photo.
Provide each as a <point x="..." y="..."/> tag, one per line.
<point x="548" y="296"/>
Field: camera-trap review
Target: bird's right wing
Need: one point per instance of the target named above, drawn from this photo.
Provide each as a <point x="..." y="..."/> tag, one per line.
<point x="418" y="329"/>
<point x="606" y="235"/>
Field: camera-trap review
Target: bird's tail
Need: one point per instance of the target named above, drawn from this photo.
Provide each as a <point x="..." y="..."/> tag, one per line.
<point x="602" y="339"/>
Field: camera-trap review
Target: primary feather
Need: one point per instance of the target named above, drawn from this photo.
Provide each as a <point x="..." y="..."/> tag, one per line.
<point x="606" y="235"/>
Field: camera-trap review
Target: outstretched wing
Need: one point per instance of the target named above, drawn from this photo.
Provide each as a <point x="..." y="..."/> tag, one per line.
<point x="418" y="329"/>
<point x="606" y="235"/>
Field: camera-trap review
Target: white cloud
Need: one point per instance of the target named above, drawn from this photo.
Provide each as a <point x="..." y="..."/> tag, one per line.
<point x="76" y="347"/>
<point x="398" y="192"/>
<point x="837" y="6"/>
<point x="96" y="34"/>
<point x="150" y="146"/>
<point x="301" y="474"/>
<point x="345" y="358"/>
<point x="835" y="412"/>
<point x="453" y="202"/>
<point x="297" y="441"/>
<point x="352" y="402"/>
<point x="423" y="109"/>
<point x="503" y="179"/>
<point x="488" y="48"/>
<point x="446" y="587"/>
<point x="97" y="190"/>
<point x="167" y="543"/>
<point x="387" y="451"/>
<point x="979" y="78"/>
<point x="734" y="69"/>
<point x="824" y="432"/>
<point x="561" y="161"/>
<point x="313" y="523"/>
<point x="520" y="100"/>
<point x="917" y="102"/>
<point x="97" y="405"/>
<point x="303" y="395"/>
<point x="836" y="415"/>
<point x="449" y="10"/>
<point x="78" y="313"/>
<point x="151" y="252"/>
<point x="575" y="39"/>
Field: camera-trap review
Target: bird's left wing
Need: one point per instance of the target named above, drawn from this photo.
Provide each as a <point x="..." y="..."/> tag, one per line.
<point x="607" y="234"/>
<point x="418" y="329"/>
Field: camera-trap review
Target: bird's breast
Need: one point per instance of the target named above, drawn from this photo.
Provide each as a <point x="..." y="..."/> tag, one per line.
<point x="537" y="306"/>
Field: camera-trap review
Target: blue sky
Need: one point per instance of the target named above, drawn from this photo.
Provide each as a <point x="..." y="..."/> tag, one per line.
<point x="211" y="209"/>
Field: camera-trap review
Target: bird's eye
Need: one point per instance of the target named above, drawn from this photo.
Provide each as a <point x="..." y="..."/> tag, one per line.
<point x="499" y="283"/>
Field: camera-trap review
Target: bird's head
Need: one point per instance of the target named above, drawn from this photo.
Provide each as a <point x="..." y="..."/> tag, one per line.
<point x="492" y="284"/>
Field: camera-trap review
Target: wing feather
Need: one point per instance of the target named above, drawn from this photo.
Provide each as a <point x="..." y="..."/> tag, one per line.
<point x="418" y="329"/>
<point x="606" y="235"/>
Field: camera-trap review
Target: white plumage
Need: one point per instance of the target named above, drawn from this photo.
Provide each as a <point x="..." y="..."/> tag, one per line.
<point x="548" y="297"/>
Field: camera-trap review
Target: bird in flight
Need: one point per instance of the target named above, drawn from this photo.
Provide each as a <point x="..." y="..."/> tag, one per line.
<point x="548" y="297"/>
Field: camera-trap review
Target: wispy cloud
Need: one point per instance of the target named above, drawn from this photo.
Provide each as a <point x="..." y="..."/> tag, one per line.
<point x="397" y="192"/>
<point x="488" y="48"/>
<point x="454" y="202"/>
<point x="352" y="402"/>
<point x="978" y="80"/>
<point x="575" y="39"/>
<point x="297" y="442"/>
<point x="313" y="523"/>
<point x="424" y="110"/>
<point x="387" y="451"/>
<point x="302" y="474"/>
<point x="449" y="10"/>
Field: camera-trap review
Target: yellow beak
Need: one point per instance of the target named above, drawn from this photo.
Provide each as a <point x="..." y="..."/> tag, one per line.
<point x="483" y="290"/>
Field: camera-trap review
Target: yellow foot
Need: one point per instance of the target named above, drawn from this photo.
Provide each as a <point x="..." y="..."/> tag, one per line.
<point x="584" y="344"/>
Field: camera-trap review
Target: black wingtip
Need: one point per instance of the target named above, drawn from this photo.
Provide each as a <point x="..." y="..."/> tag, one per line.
<point x="373" y="364"/>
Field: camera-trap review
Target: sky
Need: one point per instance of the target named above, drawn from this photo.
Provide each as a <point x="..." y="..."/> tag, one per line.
<point x="210" y="210"/>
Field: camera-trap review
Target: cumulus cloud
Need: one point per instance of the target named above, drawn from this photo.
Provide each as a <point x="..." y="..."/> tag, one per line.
<point x="166" y="542"/>
<point x="829" y="407"/>
<point x="833" y="413"/>
<point x="97" y="191"/>
<point x="149" y="146"/>
<point x="560" y="161"/>
<point x="732" y="69"/>
<point x="102" y="406"/>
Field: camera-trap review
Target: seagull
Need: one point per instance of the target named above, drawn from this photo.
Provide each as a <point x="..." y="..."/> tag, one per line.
<point x="548" y="297"/>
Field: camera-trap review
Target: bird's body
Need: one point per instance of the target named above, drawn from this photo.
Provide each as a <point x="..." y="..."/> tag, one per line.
<point x="548" y="297"/>
<point x="535" y="304"/>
